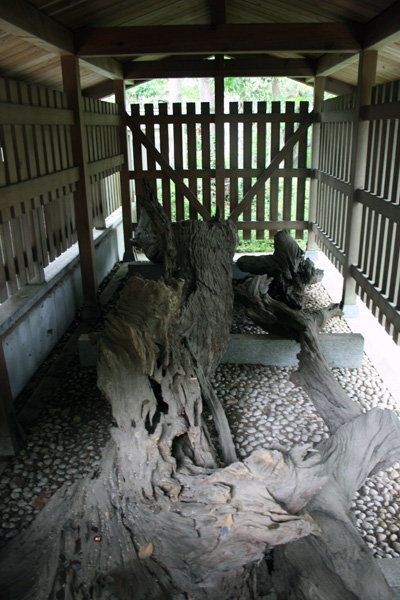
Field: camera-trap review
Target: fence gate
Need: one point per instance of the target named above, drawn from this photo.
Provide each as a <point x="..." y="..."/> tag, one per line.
<point x="259" y="159"/>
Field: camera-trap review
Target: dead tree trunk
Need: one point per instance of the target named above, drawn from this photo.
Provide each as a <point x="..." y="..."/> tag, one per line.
<point x="158" y="519"/>
<point x="336" y="564"/>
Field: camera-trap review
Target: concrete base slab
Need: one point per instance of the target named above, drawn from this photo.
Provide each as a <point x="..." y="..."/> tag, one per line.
<point x="343" y="350"/>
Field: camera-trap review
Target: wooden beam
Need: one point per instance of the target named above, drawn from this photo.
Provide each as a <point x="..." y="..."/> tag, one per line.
<point x="384" y="29"/>
<point x="27" y="22"/>
<point x="83" y="210"/>
<point x="275" y="162"/>
<point x="237" y="66"/>
<point x="221" y="39"/>
<point x="164" y="164"/>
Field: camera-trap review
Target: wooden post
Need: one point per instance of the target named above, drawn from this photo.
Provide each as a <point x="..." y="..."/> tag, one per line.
<point x="366" y="80"/>
<point x="119" y="90"/>
<point x="83" y="213"/>
<point x="219" y="144"/>
<point x="319" y="88"/>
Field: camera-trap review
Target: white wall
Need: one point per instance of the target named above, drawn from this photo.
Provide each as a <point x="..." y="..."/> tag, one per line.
<point x="33" y="320"/>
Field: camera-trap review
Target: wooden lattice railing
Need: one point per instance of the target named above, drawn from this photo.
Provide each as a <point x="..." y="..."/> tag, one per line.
<point x="377" y="272"/>
<point x="38" y="176"/>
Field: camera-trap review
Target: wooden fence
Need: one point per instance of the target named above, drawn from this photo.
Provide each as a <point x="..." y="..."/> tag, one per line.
<point x="185" y="155"/>
<point x="377" y="272"/>
<point x="38" y="176"/>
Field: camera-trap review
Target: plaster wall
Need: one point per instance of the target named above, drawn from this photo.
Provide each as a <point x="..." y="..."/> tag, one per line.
<point x="33" y="320"/>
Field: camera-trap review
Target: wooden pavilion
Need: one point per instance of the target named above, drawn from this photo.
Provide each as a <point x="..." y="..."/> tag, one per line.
<point x="66" y="164"/>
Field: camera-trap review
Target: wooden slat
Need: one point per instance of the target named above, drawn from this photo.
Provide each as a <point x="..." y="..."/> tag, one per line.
<point x="261" y="161"/>
<point x="137" y="159"/>
<point x="274" y="184"/>
<point x="192" y="156"/>
<point x="206" y="155"/>
<point x="164" y="149"/>
<point x="233" y="157"/>
<point x="219" y="146"/>
<point x="301" y="182"/>
<point x="247" y="163"/>
<point x="151" y="164"/>
<point x="178" y="163"/>
<point x="287" y="185"/>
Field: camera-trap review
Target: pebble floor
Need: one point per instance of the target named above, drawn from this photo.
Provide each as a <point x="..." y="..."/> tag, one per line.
<point x="264" y="409"/>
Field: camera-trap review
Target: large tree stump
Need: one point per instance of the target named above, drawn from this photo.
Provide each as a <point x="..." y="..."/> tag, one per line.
<point x="336" y="564"/>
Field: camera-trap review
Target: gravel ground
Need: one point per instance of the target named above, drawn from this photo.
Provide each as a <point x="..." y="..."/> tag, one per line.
<point x="263" y="407"/>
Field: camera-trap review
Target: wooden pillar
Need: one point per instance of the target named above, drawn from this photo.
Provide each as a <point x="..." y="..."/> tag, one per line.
<point x="319" y="89"/>
<point x="119" y="90"/>
<point x="219" y="143"/>
<point x="83" y="210"/>
<point x="366" y="81"/>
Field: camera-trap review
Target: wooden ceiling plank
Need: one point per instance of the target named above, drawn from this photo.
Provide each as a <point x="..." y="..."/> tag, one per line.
<point x="223" y="39"/>
<point x="384" y="30"/>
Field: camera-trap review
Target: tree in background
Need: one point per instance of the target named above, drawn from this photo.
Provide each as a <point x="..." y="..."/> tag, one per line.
<point x="237" y="89"/>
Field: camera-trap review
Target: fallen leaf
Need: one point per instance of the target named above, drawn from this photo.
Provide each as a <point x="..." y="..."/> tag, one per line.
<point x="227" y="522"/>
<point x="146" y="551"/>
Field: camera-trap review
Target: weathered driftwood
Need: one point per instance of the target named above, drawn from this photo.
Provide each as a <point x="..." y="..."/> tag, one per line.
<point x="336" y="564"/>
<point x="158" y="520"/>
<point x="288" y="268"/>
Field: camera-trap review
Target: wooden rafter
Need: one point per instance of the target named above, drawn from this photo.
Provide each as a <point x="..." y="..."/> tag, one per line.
<point x="275" y="162"/>
<point x="223" y="39"/>
<point x="166" y="167"/>
<point x="384" y="29"/>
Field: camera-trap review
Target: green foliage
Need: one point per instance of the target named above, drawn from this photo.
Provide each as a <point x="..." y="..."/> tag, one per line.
<point x="237" y="89"/>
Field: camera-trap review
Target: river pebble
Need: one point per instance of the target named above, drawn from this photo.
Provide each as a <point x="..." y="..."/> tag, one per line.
<point x="264" y="409"/>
